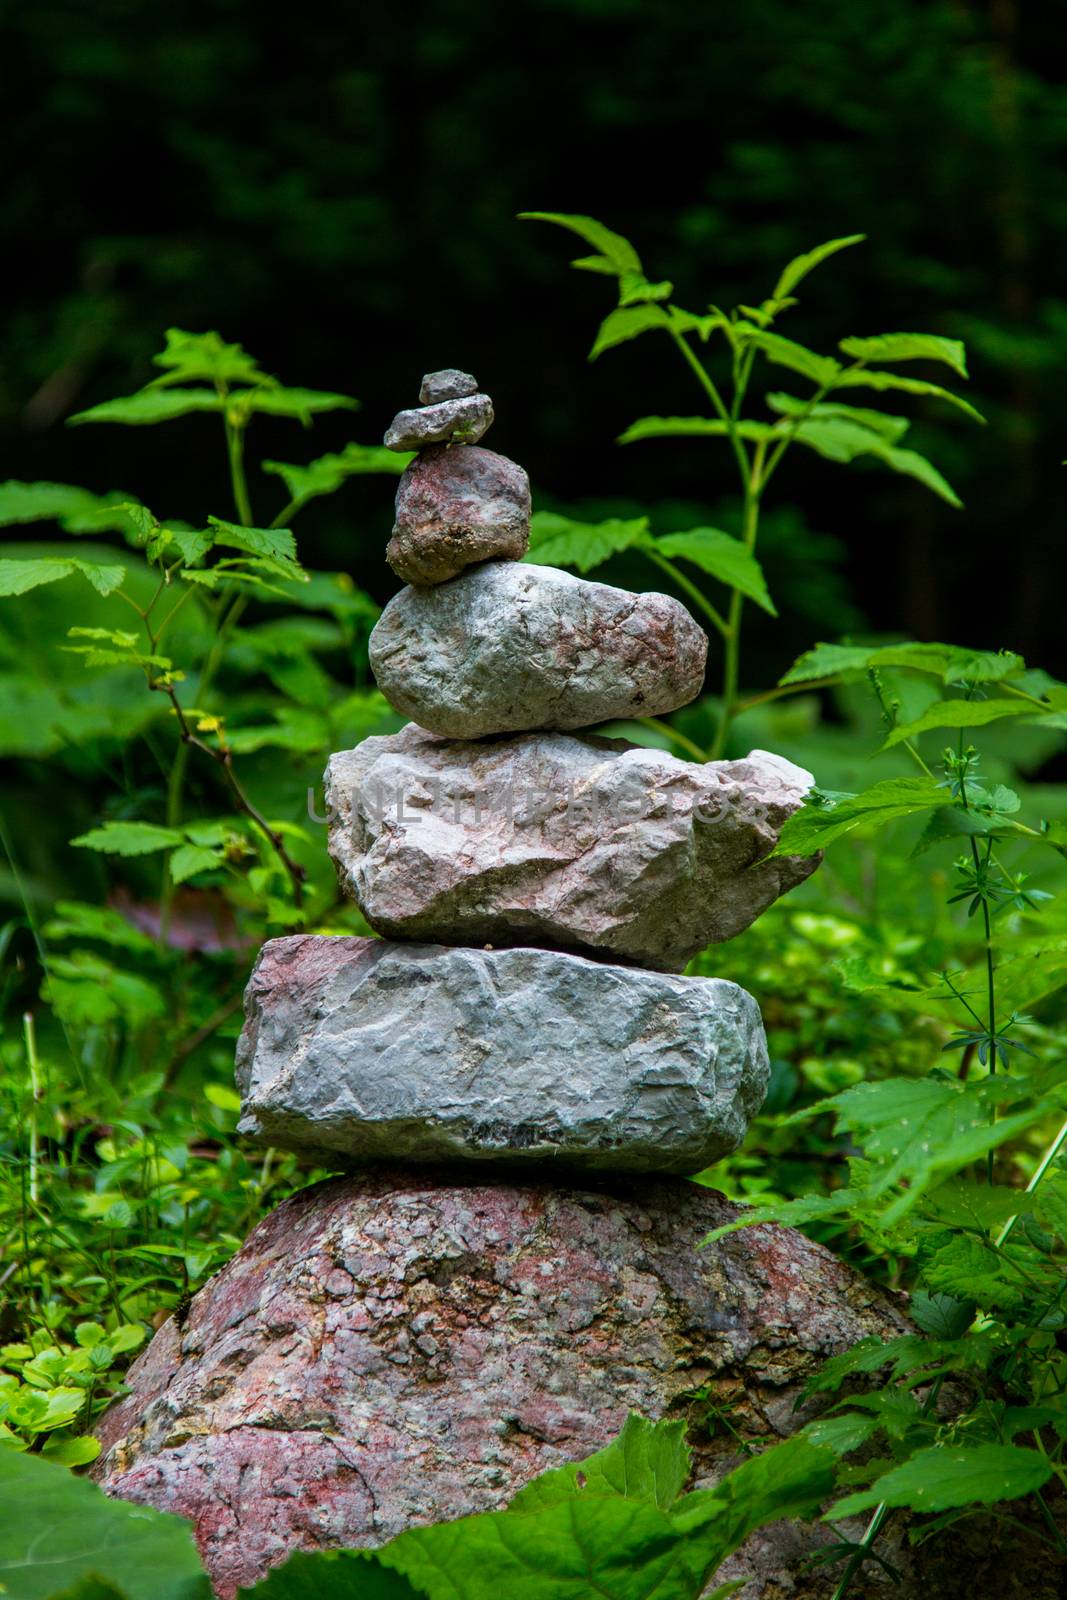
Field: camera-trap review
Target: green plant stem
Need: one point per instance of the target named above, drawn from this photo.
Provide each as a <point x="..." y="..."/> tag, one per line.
<point x="1042" y="1167"/>
<point x="680" y="739"/>
<point x="29" y="1035"/>
<point x="706" y="382"/>
<point x="990" y="965"/>
<point x="689" y="588"/>
<point x="732" y="656"/>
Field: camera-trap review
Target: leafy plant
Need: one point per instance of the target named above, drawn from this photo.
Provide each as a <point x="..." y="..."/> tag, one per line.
<point x="819" y="421"/>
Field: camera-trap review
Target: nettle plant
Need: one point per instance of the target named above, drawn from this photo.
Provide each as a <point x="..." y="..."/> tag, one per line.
<point x="218" y="569"/>
<point x="962" y="1172"/>
<point x="819" y="420"/>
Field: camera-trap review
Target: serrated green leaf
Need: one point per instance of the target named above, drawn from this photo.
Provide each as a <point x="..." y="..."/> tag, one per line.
<point x="959" y="714"/>
<point x="908" y="347"/>
<point x="842" y="1433"/>
<point x="883" y="381"/>
<point x="149" y="406"/>
<point x="277" y="400"/>
<point x="611" y="247"/>
<point x="648" y="1462"/>
<point x="959" y="1203"/>
<point x="693" y="428"/>
<point x="195" y="357"/>
<point x="627" y="323"/>
<point x="967" y="1269"/>
<point x="18" y="576"/>
<point x="790" y="1213"/>
<point x="952" y="823"/>
<point x="887" y="427"/>
<point x="189" y="859"/>
<point x="332" y="1575"/>
<point x="951" y="663"/>
<point x="559" y="541"/>
<point x="800" y="266"/>
<point x="274" y="549"/>
<point x="128" y="838"/>
<point x="58" y="1530"/>
<point x="817" y="825"/>
<point x="944" y="1476"/>
<point x="942" y="1316"/>
<point x="42" y="502"/>
<point x="821" y="370"/>
<point x="721" y="556"/>
<point x="329" y="472"/>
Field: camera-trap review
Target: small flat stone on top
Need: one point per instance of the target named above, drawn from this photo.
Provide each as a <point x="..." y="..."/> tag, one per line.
<point x="448" y="384"/>
<point x="461" y="421"/>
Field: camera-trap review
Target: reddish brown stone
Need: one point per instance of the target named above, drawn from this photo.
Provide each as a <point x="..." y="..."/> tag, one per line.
<point x="457" y="505"/>
<point x="387" y="1351"/>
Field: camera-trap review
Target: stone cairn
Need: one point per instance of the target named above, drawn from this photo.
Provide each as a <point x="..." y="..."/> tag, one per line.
<point x="520" y="1048"/>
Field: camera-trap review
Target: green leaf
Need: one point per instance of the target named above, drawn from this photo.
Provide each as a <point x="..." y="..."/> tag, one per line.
<point x="204" y="357"/>
<point x="908" y="347"/>
<point x="275" y="547"/>
<point x="887" y="427"/>
<point x="150" y="406"/>
<point x="42" y="502"/>
<point x="942" y="1316"/>
<point x="840" y="434"/>
<point x="788" y="1480"/>
<point x="278" y="401"/>
<point x="693" y="427"/>
<point x="71" y="1452"/>
<point x="328" y="473"/>
<point x="842" y="1433"/>
<point x="910" y="464"/>
<point x="614" y="253"/>
<point x="960" y="714"/>
<point x="18" y="577"/>
<point x="790" y="1213"/>
<point x="626" y="323"/>
<point x="721" y="556"/>
<point x="966" y="1269"/>
<point x="58" y="1530"/>
<point x="800" y="266"/>
<point x="648" y="1462"/>
<point x="891" y="380"/>
<point x="91" y="1588"/>
<point x="189" y="859"/>
<point x="944" y="1476"/>
<point x="821" y="370"/>
<point x="959" y="1203"/>
<point x="559" y="541"/>
<point x="332" y="1575"/>
<point x="128" y="838"/>
<point x="951" y="663"/>
<point x="818" y="824"/>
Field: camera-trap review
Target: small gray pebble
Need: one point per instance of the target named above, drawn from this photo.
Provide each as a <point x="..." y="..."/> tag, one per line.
<point x="462" y="420"/>
<point x="448" y="384"/>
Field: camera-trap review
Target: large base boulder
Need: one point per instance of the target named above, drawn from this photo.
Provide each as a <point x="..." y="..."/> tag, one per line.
<point x="393" y="1350"/>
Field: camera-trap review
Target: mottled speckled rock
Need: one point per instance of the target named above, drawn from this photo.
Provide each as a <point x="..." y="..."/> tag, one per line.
<point x="465" y="419"/>
<point x="512" y="645"/>
<point x="456" y="506"/>
<point x="448" y="384"/>
<point x="395" y="1349"/>
<point x="551" y="838"/>
<point x="410" y="1052"/>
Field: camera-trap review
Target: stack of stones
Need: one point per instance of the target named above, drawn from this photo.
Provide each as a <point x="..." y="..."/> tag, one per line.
<point x="538" y="889"/>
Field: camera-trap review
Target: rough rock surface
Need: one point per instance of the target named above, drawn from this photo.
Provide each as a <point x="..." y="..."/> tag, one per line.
<point x="556" y="839"/>
<point x="456" y="506"/>
<point x="448" y="384"/>
<point x="390" y="1350"/>
<point x="509" y="646"/>
<point x="465" y="419"/>
<point x="413" y="1052"/>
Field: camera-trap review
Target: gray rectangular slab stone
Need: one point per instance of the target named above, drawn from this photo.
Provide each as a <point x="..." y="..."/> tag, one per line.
<point x="421" y="1053"/>
<point x="559" y="839"/>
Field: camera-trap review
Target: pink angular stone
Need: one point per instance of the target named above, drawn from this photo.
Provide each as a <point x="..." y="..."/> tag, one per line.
<point x="456" y="506"/>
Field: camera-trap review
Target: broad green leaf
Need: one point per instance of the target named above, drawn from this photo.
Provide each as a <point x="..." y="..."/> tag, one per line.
<point x="42" y="502"/>
<point x="842" y="1433"/>
<point x="942" y="1316"/>
<point x="969" y="1270"/>
<point x="721" y="556"/>
<point x="278" y="401"/>
<point x="790" y="1213"/>
<point x="693" y="428"/>
<point x="818" y="824"/>
<point x="648" y="1461"/>
<point x="328" y="473"/>
<point x="279" y="544"/>
<point x="18" y="577"/>
<point x="91" y="1588"/>
<point x="204" y="357"/>
<point x="959" y="1203"/>
<point x="332" y="1575"/>
<point x="890" y="428"/>
<point x="905" y="1354"/>
<point x="828" y="661"/>
<point x="800" y="266"/>
<point x="951" y="663"/>
<point x="910" y="464"/>
<point x="618" y="253"/>
<point x="626" y="323"/>
<point x="129" y="838"/>
<point x="959" y="714"/>
<point x="58" y="1530"/>
<point x="72" y="1452"/>
<point x="788" y="1480"/>
<point x="908" y="347"/>
<point x="634" y="287"/>
<point x="189" y="859"/>
<point x="75" y="919"/>
<point x="953" y="823"/>
<point x="821" y="370"/>
<point x="840" y="437"/>
<point x="559" y="541"/>
<point x="883" y="381"/>
<point x="150" y="405"/>
<point x="944" y="1476"/>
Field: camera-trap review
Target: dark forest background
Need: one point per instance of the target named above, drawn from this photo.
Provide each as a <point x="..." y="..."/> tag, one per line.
<point x="336" y="187"/>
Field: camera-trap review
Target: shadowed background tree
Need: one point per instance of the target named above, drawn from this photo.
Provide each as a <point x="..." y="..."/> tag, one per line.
<point x="339" y="193"/>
